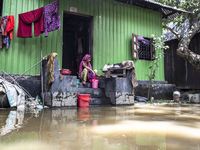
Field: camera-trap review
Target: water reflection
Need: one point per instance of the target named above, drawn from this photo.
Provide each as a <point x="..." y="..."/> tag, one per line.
<point x="109" y="128"/>
<point x="83" y="114"/>
<point x="13" y="122"/>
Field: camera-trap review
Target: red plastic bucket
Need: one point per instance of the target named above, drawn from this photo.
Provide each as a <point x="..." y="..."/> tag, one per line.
<point x="94" y="84"/>
<point x="83" y="100"/>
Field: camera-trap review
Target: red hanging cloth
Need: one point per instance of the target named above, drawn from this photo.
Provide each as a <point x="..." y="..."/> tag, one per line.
<point x="25" y="23"/>
<point x="10" y="26"/>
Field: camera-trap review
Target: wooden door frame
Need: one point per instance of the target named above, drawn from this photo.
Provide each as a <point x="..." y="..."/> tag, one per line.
<point x="92" y="29"/>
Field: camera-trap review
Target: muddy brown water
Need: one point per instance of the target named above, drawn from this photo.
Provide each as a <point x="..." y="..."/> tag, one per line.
<point x="139" y="127"/>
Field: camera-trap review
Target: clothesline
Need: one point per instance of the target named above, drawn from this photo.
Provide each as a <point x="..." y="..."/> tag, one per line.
<point x="45" y="19"/>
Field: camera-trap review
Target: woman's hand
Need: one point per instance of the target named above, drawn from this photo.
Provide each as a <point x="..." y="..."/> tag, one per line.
<point x="93" y="72"/>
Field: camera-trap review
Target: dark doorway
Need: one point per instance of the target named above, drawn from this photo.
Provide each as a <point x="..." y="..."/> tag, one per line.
<point x="1" y="7"/>
<point x="77" y="40"/>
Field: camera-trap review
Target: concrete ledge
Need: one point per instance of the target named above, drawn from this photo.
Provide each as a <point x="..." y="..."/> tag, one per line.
<point x="60" y="99"/>
<point x="64" y="99"/>
<point x="120" y="91"/>
<point x="154" y="82"/>
<point x="158" y="91"/>
<point x="67" y="84"/>
<point x="121" y="98"/>
<point x="31" y="83"/>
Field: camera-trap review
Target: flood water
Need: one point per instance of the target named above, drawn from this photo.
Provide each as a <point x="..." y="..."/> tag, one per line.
<point x="139" y="127"/>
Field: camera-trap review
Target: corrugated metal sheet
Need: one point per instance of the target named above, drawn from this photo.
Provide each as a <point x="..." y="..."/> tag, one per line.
<point x="114" y="23"/>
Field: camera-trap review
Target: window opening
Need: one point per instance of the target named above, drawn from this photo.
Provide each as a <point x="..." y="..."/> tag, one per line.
<point x="142" y="48"/>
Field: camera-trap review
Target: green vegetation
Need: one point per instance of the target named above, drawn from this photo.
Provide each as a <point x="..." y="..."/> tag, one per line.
<point x="158" y="45"/>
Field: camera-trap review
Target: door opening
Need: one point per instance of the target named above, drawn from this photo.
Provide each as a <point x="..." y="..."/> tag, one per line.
<point x="77" y="40"/>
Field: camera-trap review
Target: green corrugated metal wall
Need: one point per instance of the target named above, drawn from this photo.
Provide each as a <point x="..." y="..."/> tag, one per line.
<point x="114" y="24"/>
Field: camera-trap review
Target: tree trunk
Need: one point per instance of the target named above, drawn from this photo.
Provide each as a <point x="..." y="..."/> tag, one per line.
<point x="183" y="48"/>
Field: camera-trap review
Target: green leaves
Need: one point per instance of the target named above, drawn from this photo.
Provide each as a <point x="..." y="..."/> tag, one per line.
<point x="187" y="5"/>
<point x="159" y="45"/>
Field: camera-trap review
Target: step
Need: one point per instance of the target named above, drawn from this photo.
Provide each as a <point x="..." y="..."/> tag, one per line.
<point x="95" y="93"/>
<point x="101" y="84"/>
<point x="100" y="101"/>
<point x="87" y="85"/>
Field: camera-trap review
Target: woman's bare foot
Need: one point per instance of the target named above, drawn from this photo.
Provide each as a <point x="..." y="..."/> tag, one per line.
<point x="84" y="82"/>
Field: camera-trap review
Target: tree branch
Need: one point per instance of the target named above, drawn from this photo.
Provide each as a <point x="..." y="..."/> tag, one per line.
<point x="185" y="41"/>
<point x="190" y="56"/>
<point x="193" y="19"/>
<point x="183" y="50"/>
<point x="174" y="32"/>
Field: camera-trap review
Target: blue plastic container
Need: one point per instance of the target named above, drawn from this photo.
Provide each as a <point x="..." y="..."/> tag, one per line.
<point x="140" y="99"/>
<point x="78" y="81"/>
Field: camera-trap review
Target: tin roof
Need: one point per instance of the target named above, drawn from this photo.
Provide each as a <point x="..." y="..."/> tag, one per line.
<point x="168" y="12"/>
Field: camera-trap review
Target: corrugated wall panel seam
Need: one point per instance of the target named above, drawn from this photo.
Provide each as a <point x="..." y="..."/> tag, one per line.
<point x="114" y="23"/>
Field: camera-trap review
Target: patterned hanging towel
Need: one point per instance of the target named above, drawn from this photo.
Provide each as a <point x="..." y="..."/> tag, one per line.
<point x="51" y="17"/>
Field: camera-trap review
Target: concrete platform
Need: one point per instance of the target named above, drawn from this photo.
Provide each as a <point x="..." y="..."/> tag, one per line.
<point x="120" y="91"/>
<point x="62" y="93"/>
<point x="158" y="91"/>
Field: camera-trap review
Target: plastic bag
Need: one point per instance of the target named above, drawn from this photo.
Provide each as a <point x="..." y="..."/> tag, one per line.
<point x="38" y="102"/>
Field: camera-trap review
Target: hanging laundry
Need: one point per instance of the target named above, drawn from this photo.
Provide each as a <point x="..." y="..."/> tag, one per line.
<point x="1" y="40"/>
<point x="50" y="69"/>
<point x="3" y="21"/>
<point x="10" y="26"/>
<point x="6" y="41"/>
<point x="6" y="38"/>
<point x="130" y="75"/>
<point x="51" y="17"/>
<point x="143" y="40"/>
<point x="25" y="23"/>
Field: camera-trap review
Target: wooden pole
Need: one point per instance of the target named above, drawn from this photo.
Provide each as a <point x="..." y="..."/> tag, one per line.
<point x="41" y="72"/>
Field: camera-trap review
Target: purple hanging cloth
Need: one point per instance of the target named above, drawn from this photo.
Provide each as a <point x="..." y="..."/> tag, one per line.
<point x="51" y="17"/>
<point x="143" y="40"/>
